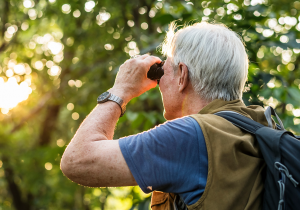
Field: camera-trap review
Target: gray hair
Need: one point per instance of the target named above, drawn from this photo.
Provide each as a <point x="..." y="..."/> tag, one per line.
<point x="215" y="56"/>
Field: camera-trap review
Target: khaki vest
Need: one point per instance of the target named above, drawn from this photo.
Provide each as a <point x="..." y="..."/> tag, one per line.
<point x="235" y="164"/>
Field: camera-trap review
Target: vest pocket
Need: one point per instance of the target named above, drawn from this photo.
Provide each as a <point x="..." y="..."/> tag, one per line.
<point x="162" y="201"/>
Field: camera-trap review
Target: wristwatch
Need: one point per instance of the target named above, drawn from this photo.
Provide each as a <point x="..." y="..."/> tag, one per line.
<point x="107" y="96"/>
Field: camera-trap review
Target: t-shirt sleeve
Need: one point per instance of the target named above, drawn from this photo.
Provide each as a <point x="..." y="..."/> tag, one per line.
<point x="171" y="157"/>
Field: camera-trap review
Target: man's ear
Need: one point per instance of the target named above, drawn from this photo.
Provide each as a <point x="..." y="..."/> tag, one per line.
<point x="183" y="76"/>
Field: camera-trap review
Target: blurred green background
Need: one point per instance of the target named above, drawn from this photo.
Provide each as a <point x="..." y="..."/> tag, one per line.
<point x="57" y="56"/>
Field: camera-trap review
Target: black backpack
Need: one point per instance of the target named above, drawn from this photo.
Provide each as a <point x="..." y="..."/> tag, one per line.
<point x="281" y="151"/>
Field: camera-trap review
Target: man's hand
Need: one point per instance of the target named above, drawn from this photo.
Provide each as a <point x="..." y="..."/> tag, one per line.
<point x="132" y="80"/>
<point x="91" y="158"/>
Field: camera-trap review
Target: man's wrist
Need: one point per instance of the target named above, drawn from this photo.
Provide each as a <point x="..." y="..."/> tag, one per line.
<point x="120" y="93"/>
<point x="108" y="96"/>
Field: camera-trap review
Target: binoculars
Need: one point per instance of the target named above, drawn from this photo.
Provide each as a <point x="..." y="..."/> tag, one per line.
<point x="156" y="71"/>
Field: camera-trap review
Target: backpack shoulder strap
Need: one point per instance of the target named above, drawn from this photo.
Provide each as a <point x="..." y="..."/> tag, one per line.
<point x="240" y="121"/>
<point x="268" y="113"/>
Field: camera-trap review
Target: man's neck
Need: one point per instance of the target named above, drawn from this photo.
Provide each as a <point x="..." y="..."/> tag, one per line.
<point x="192" y="104"/>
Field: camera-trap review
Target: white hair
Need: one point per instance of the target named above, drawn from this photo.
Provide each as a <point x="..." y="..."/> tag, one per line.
<point x="215" y="56"/>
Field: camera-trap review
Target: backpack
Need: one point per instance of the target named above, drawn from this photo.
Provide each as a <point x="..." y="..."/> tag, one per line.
<point x="281" y="152"/>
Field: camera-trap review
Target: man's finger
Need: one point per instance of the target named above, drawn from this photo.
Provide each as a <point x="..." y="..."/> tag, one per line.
<point x="142" y="57"/>
<point x="135" y="56"/>
<point x="150" y="60"/>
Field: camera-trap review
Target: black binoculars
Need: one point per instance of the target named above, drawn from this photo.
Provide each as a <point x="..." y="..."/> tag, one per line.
<point x="156" y="71"/>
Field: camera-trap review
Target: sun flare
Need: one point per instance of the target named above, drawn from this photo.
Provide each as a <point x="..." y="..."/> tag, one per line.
<point x="12" y="93"/>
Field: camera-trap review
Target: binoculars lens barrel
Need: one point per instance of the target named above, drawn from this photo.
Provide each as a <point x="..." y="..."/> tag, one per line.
<point x="156" y="71"/>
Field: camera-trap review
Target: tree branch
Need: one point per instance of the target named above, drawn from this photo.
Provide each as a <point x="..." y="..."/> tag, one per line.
<point x="123" y="11"/>
<point x="49" y="124"/>
<point x="14" y="189"/>
<point x="4" y="17"/>
<point x="5" y="45"/>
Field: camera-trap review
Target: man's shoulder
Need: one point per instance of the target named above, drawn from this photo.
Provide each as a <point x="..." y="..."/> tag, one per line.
<point x="204" y="118"/>
<point x="186" y="122"/>
<point x="187" y="119"/>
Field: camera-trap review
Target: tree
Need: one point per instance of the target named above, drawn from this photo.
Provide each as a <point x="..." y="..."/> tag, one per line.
<point x="61" y="55"/>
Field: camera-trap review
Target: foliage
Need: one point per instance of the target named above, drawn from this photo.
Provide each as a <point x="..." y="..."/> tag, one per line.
<point x="66" y="53"/>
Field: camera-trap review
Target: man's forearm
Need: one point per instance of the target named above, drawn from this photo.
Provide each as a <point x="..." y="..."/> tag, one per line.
<point x="100" y="123"/>
<point x="91" y="159"/>
<point x="80" y="154"/>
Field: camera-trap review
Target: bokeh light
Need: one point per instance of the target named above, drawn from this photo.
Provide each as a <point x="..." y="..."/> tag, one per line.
<point x="49" y="64"/>
<point x="60" y="142"/>
<point x="19" y="69"/>
<point x="39" y="65"/>
<point x="28" y="3"/>
<point x="9" y="73"/>
<point x="142" y="10"/>
<point x="24" y="26"/>
<point x="75" y="116"/>
<point x="116" y="35"/>
<point x="32" y="14"/>
<point x="54" y="71"/>
<point x="296" y="112"/>
<point x="284" y="39"/>
<point x="70" y="106"/>
<point x="89" y="6"/>
<point x="48" y="166"/>
<point x="102" y="17"/>
<point x="55" y="47"/>
<point x="108" y="46"/>
<point x="144" y="26"/>
<point x="66" y="8"/>
<point x="206" y="11"/>
<point x="132" y="45"/>
<point x="130" y="23"/>
<point x="152" y="13"/>
<point x="268" y="33"/>
<point x="78" y="83"/>
<point x="11" y="30"/>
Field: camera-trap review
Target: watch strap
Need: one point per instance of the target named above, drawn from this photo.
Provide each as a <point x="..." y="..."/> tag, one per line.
<point x="119" y="101"/>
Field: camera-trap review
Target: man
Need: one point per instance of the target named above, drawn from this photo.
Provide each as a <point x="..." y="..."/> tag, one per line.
<point x="197" y="156"/>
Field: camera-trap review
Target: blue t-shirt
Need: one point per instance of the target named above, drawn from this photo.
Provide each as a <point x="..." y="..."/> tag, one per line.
<point x="171" y="157"/>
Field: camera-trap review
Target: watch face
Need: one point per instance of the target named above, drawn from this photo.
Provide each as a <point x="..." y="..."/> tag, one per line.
<point x="103" y="97"/>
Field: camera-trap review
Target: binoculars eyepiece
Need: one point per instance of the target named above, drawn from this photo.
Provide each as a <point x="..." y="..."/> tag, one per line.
<point x="156" y="71"/>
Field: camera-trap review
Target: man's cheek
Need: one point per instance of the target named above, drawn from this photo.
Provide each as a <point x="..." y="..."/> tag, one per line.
<point x="161" y="84"/>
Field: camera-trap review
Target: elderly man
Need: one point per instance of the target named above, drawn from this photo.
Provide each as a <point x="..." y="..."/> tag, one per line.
<point x="196" y="156"/>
